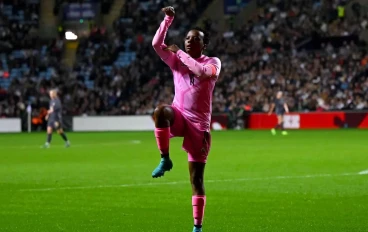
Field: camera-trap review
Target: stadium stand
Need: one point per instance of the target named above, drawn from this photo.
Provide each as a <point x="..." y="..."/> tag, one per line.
<point x="281" y="49"/>
<point x="275" y="51"/>
<point x="105" y="5"/>
<point x="306" y="48"/>
<point x="26" y="61"/>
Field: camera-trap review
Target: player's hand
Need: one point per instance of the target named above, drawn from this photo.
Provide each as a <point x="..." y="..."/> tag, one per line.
<point x="173" y="48"/>
<point x="169" y="11"/>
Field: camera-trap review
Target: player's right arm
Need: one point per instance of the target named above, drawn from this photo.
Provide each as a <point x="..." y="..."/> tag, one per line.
<point x="158" y="40"/>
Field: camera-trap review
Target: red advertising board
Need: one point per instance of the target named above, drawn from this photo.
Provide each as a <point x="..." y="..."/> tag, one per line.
<point x="312" y="120"/>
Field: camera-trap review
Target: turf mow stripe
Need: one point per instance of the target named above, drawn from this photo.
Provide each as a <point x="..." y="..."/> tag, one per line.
<point x="185" y="182"/>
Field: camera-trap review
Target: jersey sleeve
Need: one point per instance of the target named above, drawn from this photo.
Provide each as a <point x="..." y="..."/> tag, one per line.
<point x="210" y="69"/>
<point x="216" y="62"/>
<point x="159" y="45"/>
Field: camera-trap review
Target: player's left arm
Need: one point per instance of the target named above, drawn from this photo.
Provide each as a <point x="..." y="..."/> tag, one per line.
<point x="210" y="70"/>
<point x="271" y="109"/>
<point x="286" y="108"/>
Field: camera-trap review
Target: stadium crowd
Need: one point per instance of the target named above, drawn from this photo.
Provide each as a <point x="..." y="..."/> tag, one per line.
<point x="267" y="55"/>
<point x="24" y="58"/>
<point x="273" y="51"/>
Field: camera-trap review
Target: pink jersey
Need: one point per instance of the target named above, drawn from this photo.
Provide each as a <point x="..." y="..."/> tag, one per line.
<point x="194" y="79"/>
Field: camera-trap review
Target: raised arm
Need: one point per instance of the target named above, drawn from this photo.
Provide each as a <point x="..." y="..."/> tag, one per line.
<point x="159" y="38"/>
<point x="198" y="69"/>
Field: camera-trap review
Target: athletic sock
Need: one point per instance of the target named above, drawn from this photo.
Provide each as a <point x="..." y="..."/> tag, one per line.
<point x="63" y="135"/>
<point x="49" y="137"/>
<point x="198" y="203"/>
<point x="163" y="140"/>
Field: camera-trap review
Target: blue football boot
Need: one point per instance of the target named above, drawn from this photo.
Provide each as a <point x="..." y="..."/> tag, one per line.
<point x="165" y="165"/>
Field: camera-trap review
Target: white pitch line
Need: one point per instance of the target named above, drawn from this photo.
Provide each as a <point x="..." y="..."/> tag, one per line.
<point x="365" y="172"/>
<point x="76" y="145"/>
<point x="185" y="182"/>
<point x="136" y="141"/>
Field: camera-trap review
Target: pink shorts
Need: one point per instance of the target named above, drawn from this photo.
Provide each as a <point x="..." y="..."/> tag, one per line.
<point x="197" y="143"/>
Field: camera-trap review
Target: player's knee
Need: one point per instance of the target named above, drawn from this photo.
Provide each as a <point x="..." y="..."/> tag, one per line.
<point x="163" y="115"/>
<point x="162" y="112"/>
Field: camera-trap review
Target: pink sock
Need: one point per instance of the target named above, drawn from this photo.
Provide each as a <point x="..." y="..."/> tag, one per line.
<point x="163" y="139"/>
<point x="198" y="202"/>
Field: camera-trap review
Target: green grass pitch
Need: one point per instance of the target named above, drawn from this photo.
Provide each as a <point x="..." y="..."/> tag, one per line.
<point x="306" y="181"/>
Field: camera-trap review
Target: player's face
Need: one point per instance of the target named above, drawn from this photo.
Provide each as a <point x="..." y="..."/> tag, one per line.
<point x="194" y="43"/>
<point x="52" y="94"/>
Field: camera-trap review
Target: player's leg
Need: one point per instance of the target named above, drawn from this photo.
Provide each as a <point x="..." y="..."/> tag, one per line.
<point x="197" y="143"/>
<point x="163" y="116"/>
<point x="280" y="119"/>
<point x="196" y="171"/>
<point x="60" y="131"/>
<point x="273" y="131"/>
<point x="49" y="136"/>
